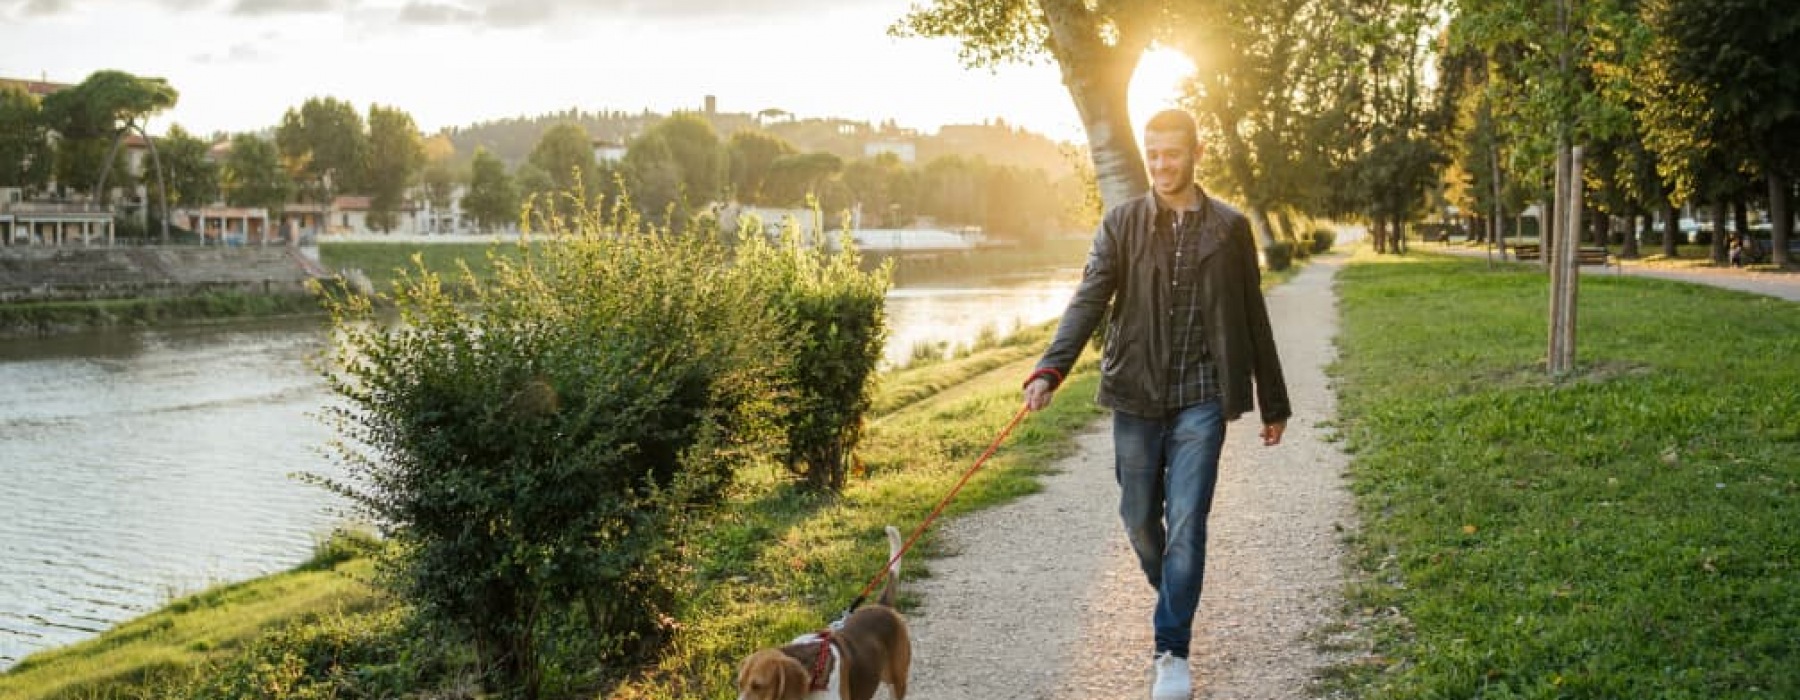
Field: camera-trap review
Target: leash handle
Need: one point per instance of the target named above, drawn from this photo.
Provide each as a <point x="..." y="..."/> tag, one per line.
<point x="935" y="512"/>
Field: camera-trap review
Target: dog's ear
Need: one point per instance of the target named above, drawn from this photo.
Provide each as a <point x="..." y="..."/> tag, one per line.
<point x="795" y="681"/>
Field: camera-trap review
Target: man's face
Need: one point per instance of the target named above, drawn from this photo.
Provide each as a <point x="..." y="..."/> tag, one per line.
<point x="1170" y="157"/>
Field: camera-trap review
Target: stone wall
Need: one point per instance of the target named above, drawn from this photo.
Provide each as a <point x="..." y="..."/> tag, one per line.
<point x="67" y="274"/>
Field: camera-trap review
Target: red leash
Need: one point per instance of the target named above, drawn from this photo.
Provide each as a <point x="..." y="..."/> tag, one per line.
<point x="935" y="512"/>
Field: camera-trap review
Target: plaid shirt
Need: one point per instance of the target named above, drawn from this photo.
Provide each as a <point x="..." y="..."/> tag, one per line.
<point x="1192" y="377"/>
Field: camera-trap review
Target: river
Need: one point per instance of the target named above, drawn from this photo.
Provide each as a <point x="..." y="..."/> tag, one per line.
<point x="136" y="467"/>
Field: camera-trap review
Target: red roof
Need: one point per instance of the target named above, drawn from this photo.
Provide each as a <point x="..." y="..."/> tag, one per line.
<point x="35" y="87"/>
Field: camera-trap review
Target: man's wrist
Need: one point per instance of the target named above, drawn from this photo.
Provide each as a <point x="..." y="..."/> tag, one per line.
<point x="1048" y="374"/>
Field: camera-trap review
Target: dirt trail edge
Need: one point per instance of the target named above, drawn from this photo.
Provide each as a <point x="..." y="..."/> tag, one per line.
<point x="1041" y="599"/>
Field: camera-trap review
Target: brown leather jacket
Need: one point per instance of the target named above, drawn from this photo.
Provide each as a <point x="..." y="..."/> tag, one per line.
<point x="1129" y="267"/>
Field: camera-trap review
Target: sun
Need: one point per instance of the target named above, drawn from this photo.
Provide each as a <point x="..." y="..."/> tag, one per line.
<point x="1158" y="83"/>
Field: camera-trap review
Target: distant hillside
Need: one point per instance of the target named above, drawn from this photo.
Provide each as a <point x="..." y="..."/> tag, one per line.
<point x="512" y="139"/>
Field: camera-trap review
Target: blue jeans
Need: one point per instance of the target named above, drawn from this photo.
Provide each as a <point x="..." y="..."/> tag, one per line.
<point x="1167" y="468"/>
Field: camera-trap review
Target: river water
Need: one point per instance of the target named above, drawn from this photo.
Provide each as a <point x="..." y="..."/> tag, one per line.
<point x="136" y="467"/>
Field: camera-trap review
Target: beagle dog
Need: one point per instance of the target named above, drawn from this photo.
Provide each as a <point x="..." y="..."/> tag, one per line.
<point x="845" y="663"/>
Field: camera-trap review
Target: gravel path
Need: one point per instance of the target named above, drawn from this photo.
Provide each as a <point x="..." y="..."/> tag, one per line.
<point x="1781" y="285"/>
<point x="1041" y="599"/>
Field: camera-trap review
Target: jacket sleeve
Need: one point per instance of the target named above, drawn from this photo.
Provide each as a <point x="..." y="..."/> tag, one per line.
<point x="1099" y="281"/>
<point x="1271" y="386"/>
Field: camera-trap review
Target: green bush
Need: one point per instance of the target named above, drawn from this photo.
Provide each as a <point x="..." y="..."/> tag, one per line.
<point x="536" y="447"/>
<point x="1322" y="240"/>
<point x="1279" y="256"/>
<point x="1300" y="248"/>
<point x="833" y="315"/>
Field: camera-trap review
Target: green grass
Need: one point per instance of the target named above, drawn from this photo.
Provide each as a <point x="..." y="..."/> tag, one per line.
<point x="42" y="318"/>
<point x="1627" y="531"/>
<point x="168" y="647"/>
<point x="382" y="262"/>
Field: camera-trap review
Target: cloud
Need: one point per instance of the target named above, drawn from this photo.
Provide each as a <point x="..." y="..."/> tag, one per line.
<point x="262" y="8"/>
<point x="40" y="8"/>
<point x="512" y="14"/>
<point x="436" y="14"/>
<point x="243" y="52"/>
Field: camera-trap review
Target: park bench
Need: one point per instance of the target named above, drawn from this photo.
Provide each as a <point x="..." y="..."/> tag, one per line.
<point x="1584" y="255"/>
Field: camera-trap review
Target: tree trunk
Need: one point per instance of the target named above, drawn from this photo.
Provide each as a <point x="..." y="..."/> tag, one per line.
<point x="1629" y="249"/>
<point x="1098" y="76"/>
<point x="1781" y="221"/>
<point x="1740" y="215"/>
<point x="1718" y="231"/>
<point x="1603" y="230"/>
<point x="162" y="189"/>
<point x="1237" y="162"/>
<point x="1671" y="229"/>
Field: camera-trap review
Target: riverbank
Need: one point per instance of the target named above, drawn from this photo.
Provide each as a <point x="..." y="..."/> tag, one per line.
<point x="103" y="295"/>
<point x="910" y="454"/>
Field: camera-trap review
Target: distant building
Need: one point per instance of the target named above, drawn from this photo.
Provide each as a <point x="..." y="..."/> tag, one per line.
<point x="905" y="150"/>
<point x="40" y="88"/>
<point x="608" y="151"/>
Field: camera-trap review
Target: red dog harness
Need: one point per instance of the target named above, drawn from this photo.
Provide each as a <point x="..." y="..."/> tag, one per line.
<point x="820" y="681"/>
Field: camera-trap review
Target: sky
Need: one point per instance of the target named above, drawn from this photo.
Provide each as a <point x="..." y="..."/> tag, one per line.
<point x="239" y="64"/>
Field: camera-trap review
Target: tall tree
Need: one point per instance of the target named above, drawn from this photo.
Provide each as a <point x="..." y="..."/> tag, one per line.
<point x="193" y="177"/>
<point x="566" y="154"/>
<point x="1265" y="72"/>
<point x="793" y="178"/>
<point x="441" y="174"/>
<point x="396" y="153"/>
<point x="253" y="175"/>
<point x="493" y="198"/>
<point x="698" y="156"/>
<point x="653" y="178"/>
<point x="103" y="109"/>
<point x="751" y="154"/>
<point x="1726" y="100"/>
<point x="325" y="149"/>
<point x="25" y="155"/>
<point x="1096" y="43"/>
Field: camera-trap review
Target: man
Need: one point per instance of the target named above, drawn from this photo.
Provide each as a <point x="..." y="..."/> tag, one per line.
<point x="1188" y="337"/>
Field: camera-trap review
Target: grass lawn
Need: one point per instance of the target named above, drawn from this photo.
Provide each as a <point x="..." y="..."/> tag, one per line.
<point x="1627" y="531"/>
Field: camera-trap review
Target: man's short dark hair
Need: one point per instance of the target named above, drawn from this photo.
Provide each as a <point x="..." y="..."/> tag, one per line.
<point x="1174" y="120"/>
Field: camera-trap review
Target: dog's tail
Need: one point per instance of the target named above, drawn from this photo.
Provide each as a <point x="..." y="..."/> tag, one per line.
<point x="895" y="543"/>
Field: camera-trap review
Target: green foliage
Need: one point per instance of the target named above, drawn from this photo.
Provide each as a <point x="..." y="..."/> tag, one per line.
<point x="1278" y="256"/>
<point x="252" y="175"/>
<point x="493" y="197"/>
<point x="833" y="315"/>
<point x="25" y="155"/>
<point x="396" y="154"/>
<point x="105" y="104"/>
<point x="325" y="147"/>
<point x="538" y="447"/>
<point x="566" y="155"/>
<point x="332" y="657"/>
<point x="193" y="177"/>
<point x="751" y="154"/>
<point x="1321" y="240"/>
<point x="1624" y="532"/>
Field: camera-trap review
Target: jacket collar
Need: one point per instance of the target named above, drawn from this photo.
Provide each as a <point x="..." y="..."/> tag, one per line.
<point x="1158" y="210"/>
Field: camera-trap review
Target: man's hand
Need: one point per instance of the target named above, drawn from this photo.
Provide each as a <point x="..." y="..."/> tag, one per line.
<point x="1271" y="433"/>
<point x="1037" y="394"/>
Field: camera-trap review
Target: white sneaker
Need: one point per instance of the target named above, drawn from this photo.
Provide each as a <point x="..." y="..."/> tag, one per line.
<point x="1173" y="680"/>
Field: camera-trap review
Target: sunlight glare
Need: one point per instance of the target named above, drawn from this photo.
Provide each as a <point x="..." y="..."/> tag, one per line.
<point x="1157" y="85"/>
